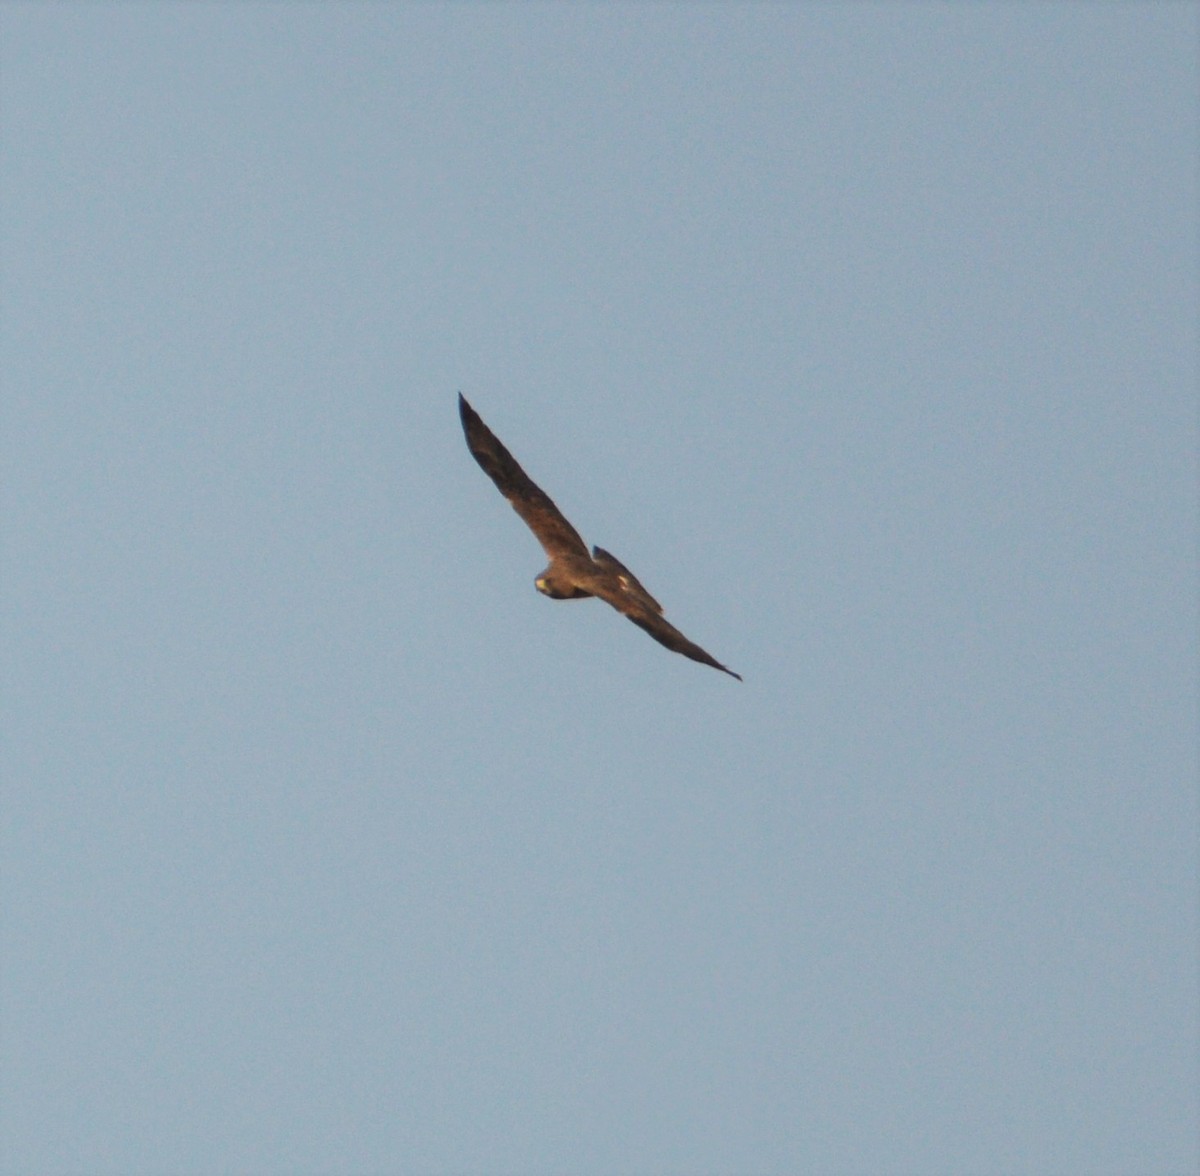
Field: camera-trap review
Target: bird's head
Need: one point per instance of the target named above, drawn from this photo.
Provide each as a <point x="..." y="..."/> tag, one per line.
<point x="548" y="584"/>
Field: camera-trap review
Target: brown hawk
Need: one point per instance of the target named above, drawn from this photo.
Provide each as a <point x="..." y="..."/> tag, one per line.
<point x="572" y="573"/>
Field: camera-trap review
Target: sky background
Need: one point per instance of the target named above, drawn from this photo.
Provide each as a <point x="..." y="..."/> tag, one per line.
<point x="865" y="335"/>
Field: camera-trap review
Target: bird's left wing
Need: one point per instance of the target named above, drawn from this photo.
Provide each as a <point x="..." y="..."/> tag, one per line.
<point x="664" y="632"/>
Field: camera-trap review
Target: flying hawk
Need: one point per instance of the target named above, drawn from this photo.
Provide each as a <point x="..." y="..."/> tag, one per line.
<point x="572" y="573"/>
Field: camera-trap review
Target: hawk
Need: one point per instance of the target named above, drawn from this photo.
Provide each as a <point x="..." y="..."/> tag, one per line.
<point x="572" y="573"/>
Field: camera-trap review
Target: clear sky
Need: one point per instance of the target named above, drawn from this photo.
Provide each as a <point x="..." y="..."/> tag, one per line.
<point x="865" y="335"/>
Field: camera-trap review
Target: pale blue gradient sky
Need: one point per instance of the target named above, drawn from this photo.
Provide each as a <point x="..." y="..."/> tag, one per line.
<point x="865" y="335"/>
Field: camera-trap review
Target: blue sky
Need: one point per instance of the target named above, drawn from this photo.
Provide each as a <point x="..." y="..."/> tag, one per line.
<point x="865" y="335"/>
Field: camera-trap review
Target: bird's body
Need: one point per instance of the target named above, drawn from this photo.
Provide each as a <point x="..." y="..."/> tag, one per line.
<point x="573" y="572"/>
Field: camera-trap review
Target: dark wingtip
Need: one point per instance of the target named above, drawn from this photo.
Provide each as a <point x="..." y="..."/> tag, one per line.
<point x="467" y="414"/>
<point x="731" y="673"/>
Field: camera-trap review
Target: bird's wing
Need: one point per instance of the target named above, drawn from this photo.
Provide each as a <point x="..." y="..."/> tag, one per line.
<point x="661" y="629"/>
<point x="666" y="634"/>
<point x="625" y="577"/>
<point x="532" y="503"/>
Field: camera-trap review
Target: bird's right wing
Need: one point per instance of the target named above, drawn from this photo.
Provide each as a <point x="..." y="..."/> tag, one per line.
<point x="529" y="500"/>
